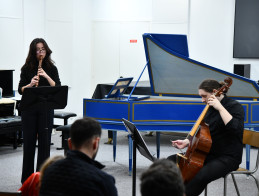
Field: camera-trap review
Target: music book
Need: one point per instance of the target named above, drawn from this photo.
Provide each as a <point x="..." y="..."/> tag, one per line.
<point x="119" y="88"/>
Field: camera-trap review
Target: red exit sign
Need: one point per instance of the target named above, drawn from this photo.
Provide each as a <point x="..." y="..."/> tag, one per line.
<point x="133" y="41"/>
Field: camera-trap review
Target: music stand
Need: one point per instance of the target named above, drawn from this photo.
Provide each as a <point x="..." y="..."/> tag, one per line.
<point x="44" y="97"/>
<point x="140" y="144"/>
<point x="119" y="88"/>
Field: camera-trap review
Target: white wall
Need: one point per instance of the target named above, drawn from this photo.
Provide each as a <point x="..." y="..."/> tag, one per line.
<point x="90" y="39"/>
<point x="59" y="33"/>
<point x="65" y="25"/>
<point x="117" y="22"/>
<point x="81" y="70"/>
<point x="11" y="36"/>
<point x="211" y="35"/>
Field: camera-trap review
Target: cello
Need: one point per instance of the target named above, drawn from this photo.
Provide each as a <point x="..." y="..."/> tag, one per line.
<point x="200" y="142"/>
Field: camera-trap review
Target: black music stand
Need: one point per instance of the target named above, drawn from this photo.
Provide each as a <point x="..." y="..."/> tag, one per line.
<point x="44" y="97"/>
<point x="140" y="144"/>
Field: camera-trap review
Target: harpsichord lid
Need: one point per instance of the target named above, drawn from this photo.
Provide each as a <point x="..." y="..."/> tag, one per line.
<point x="173" y="73"/>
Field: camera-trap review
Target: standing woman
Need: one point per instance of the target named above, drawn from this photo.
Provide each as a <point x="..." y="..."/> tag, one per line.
<point x="38" y="70"/>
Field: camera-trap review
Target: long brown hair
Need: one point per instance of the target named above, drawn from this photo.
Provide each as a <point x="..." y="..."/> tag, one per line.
<point x="32" y="61"/>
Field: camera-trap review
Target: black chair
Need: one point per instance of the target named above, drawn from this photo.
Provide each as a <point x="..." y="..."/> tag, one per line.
<point x="65" y="135"/>
<point x="11" y="125"/>
<point x="65" y="116"/>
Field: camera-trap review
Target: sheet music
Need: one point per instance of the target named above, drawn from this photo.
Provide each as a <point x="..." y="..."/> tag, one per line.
<point x="140" y="143"/>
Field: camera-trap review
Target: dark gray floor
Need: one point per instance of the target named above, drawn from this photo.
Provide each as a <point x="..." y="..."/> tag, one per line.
<point x="11" y="164"/>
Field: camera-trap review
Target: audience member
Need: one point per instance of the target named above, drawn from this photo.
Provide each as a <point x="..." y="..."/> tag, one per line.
<point x="162" y="178"/>
<point x="31" y="186"/>
<point x="79" y="174"/>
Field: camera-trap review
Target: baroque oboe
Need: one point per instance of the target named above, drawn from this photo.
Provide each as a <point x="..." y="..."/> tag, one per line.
<point x="38" y="74"/>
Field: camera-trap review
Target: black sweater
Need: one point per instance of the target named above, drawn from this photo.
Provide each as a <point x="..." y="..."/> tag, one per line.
<point x="226" y="139"/>
<point x="77" y="174"/>
<point x="27" y="74"/>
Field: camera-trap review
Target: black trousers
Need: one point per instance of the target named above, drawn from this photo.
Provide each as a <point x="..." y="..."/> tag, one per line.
<point x="36" y="124"/>
<point x="213" y="169"/>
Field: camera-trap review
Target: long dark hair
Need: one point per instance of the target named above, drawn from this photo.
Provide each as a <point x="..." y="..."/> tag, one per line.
<point x="209" y="85"/>
<point x="32" y="61"/>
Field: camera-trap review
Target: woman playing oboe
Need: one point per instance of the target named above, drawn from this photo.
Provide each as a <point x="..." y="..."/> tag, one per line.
<point x="38" y="70"/>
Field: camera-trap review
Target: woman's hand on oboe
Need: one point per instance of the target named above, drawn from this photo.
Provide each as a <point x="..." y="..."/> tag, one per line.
<point x="34" y="81"/>
<point x="42" y="73"/>
<point x="41" y="57"/>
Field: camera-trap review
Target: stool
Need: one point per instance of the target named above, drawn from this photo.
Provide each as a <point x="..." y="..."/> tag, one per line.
<point x="65" y="116"/>
<point x="65" y="135"/>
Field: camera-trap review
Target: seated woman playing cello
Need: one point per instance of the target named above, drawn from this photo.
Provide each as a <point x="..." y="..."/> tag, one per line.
<point x="225" y="120"/>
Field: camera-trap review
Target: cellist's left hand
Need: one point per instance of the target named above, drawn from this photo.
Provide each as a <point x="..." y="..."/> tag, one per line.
<point x="225" y="115"/>
<point x="214" y="102"/>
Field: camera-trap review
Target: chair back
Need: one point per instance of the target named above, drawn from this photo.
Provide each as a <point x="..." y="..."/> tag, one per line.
<point x="251" y="138"/>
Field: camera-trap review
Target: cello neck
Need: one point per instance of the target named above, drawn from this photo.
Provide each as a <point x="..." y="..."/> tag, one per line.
<point x="228" y="83"/>
<point x="198" y="122"/>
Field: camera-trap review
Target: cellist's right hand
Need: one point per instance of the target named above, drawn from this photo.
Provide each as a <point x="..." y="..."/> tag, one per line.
<point x="180" y="144"/>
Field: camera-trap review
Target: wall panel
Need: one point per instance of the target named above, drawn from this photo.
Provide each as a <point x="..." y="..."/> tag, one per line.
<point x="59" y="10"/>
<point x="169" y="28"/>
<point x="175" y="11"/>
<point x="11" y="38"/>
<point x="132" y="54"/>
<point x="11" y="8"/>
<point x="33" y="22"/>
<point x="59" y="36"/>
<point x="105" y="52"/>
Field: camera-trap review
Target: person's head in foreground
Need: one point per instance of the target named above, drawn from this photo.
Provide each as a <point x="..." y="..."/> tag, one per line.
<point x="85" y="136"/>
<point x="163" y="177"/>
